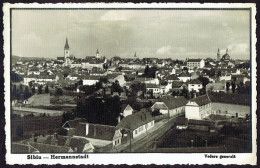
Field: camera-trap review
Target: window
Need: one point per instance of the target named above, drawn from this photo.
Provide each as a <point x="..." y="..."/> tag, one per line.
<point x="118" y="141"/>
<point x="135" y="131"/>
<point x="115" y="142"/>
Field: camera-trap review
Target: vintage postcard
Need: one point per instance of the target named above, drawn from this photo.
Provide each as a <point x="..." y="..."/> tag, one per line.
<point x="124" y="83"/>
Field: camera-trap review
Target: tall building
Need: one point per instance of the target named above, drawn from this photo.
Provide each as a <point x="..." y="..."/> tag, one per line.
<point x="67" y="57"/>
<point x="97" y="54"/>
<point x="218" y="55"/>
<point x="66" y="50"/>
<point x="226" y="57"/>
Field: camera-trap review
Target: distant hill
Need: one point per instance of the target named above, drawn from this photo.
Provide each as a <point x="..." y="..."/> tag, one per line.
<point x="15" y="59"/>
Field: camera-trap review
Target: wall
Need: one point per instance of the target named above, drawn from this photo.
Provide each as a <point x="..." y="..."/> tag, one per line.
<point x="195" y="87"/>
<point x="143" y="129"/>
<point x="232" y="109"/>
<point x="192" y="112"/>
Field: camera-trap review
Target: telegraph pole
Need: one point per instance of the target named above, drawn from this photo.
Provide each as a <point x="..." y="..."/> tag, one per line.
<point x="130" y="139"/>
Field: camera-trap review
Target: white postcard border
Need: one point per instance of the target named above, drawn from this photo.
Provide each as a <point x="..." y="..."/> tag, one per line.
<point x="130" y="158"/>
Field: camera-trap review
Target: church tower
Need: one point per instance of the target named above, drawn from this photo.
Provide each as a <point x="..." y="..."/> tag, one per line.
<point x="218" y="56"/>
<point x="97" y="54"/>
<point x="66" y="50"/>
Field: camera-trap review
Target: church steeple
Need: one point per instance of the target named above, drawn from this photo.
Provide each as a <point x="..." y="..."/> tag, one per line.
<point x="66" y="47"/>
<point x="218" y="55"/>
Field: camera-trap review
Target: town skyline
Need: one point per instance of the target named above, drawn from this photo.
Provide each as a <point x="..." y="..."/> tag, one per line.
<point x="179" y="34"/>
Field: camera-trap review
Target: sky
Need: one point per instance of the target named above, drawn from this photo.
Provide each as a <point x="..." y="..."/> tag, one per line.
<point x="176" y="34"/>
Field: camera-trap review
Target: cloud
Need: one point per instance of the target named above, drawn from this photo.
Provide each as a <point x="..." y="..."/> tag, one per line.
<point x="118" y="15"/>
<point x="238" y="48"/>
<point x="165" y="50"/>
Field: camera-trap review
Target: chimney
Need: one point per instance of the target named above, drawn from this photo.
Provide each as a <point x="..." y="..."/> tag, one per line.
<point x="95" y="130"/>
<point x="118" y="119"/>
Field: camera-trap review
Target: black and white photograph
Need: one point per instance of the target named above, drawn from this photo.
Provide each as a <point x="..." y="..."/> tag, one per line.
<point x="116" y="80"/>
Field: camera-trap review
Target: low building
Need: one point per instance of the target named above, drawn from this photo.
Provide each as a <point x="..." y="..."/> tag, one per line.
<point x="198" y="108"/>
<point x="230" y="104"/>
<point x="194" y="85"/>
<point x="170" y="105"/>
<point x="184" y="77"/>
<point x="137" y="124"/>
<point x="195" y="63"/>
<point x="216" y="87"/>
<point x="126" y="110"/>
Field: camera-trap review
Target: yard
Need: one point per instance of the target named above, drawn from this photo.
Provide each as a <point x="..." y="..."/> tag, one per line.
<point x="235" y="137"/>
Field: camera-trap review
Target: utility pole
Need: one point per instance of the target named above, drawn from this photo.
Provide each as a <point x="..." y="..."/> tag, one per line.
<point x="130" y="140"/>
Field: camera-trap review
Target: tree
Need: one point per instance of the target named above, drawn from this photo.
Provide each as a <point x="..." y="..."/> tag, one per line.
<point x="26" y="93"/>
<point x="58" y="92"/>
<point x="14" y="91"/>
<point x="33" y="90"/>
<point x="21" y="88"/>
<point x="146" y="70"/>
<point x="212" y="73"/>
<point x="30" y="84"/>
<point x="227" y="86"/>
<point x="219" y="74"/>
<point x="185" y="69"/>
<point x="46" y="89"/>
<point x="40" y="89"/>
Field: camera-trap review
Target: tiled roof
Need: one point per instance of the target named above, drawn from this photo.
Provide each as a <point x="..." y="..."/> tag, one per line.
<point x="151" y="85"/>
<point x="171" y="102"/>
<point x="135" y="120"/>
<point x="74" y="123"/>
<point x="195" y="81"/>
<point x="184" y="75"/>
<point x="201" y="100"/>
<point x="96" y="131"/>
<point x="78" y="142"/>
<point x="230" y="98"/>
<point x="172" y="77"/>
<point x="194" y="60"/>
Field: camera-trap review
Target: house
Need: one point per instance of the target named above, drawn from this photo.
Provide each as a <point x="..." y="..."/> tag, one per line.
<point x="170" y="105"/>
<point x="172" y="78"/>
<point x="29" y="78"/>
<point x="154" y="89"/>
<point x="216" y="87"/>
<point x="230" y="104"/>
<point x="194" y="85"/>
<point x="90" y="80"/>
<point x="184" y="77"/>
<point x="195" y="63"/>
<point x="137" y="124"/>
<point x="61" y="144"/>
<point x="99" y="135"/>
<point x="126" y="110"/>
<point x="198" y="108"/>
